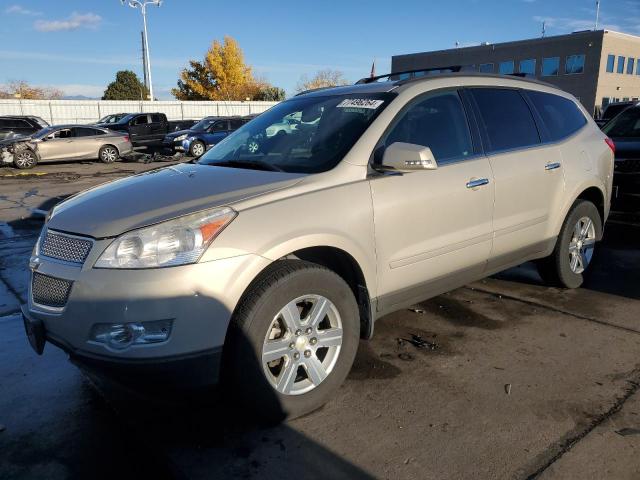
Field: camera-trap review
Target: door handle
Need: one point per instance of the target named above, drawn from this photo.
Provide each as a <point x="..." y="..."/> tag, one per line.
<point x="477" y="183"/>
<point x="552" y="166"/>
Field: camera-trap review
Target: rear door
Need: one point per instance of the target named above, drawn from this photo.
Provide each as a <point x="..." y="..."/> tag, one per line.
<point x="158" y="128"/>
<point x="87" y="142"/>
<point x="528" y="174"/>
<point x="433" y="227"/>
<point x="139" y="129"/>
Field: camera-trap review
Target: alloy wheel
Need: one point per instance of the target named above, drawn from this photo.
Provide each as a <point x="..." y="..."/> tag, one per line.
<point x="109" y="154"/>
<point x="197" y="149"/>
<point x="302" y="344"/>
<point x="581" y="246"/>
<point x="24" y="159"/>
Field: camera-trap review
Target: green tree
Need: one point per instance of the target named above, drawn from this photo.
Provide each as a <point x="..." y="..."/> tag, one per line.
<point x="127" y="86"/>
<point x="269" y="93"/>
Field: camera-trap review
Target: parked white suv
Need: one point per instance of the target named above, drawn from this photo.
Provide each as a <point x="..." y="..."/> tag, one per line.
<point x="265" y="267"/>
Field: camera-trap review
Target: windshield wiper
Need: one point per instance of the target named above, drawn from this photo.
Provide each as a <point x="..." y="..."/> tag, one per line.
<point x="252" y="164"/>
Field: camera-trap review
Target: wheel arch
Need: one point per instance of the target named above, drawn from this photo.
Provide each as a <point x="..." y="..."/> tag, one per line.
<point x="591" y="192"/>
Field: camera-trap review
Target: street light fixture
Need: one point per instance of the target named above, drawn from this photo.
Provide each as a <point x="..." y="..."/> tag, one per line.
<point x="142" y="5"/>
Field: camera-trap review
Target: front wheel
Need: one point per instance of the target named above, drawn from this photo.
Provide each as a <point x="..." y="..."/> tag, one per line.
<point x="25" y="159"/>
<point x="569" y="263"/>
<point x="293" y="340"/>
<point x="197" y="149"/>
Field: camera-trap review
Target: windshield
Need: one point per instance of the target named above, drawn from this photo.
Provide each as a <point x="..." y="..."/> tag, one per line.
<point x="203" y="124"/>
<point x="625" y="125"/>
<point x="301" y="135"/>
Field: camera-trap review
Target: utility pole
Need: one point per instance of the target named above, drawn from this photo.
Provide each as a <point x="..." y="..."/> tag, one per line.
<point x="597" y="14"/>
<point x="142" y="5"/>
<point x="544" y="28"/>
<point x="144" y="61"/>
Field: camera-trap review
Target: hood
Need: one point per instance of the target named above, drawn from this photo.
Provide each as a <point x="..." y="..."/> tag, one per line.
<point x="17" y="139"/>
<point x="627" y="147"/>
<point x="151" y="197"/>
<point x="178" y="133"/>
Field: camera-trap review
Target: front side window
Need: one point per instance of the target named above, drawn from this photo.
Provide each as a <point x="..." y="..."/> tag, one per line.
<point x="219" y="126"/>
<point x="528" y="66"/>
<point x="625" y="125"/>
<point x="631" y="63"/>
<point x="561" y="116"/>
<point x="329" y="126"/>
<point x="621" y="61"/>
<point x="550" y="66"/>
<point x="438" y="122"/>
<point x="611" y="60"/>
<point x="574" y="64"/>
<point x="486" y="68"/>
<point x="507" y="120"/>
<point x="506" y="68"/>
<point x="141" y="120"/>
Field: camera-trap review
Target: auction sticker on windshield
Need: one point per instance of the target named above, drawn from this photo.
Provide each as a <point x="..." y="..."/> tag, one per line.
<point x="360" y="103"/>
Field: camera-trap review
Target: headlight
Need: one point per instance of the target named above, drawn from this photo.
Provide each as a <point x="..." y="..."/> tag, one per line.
<point x="175" y="242"/>
<point x="179" y="138"/>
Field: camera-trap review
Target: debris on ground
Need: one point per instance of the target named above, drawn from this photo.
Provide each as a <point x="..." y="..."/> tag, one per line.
<point x="417" y="310"/>
<point x="507" y="389"/>
<point x="625" y="432"/>
<point x="419" y="342"/>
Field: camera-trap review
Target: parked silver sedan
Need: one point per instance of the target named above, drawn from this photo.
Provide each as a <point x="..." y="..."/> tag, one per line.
<point x="65" y="142"/>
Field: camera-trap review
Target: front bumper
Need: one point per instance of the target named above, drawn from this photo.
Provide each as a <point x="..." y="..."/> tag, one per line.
<point x="199" y="299"/>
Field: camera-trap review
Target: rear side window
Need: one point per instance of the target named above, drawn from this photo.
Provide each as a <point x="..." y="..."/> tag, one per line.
<point x="155" y="118"/>
<point x="561" y="116"/>
<point x="141" y="120"/>
<point x="507" y="120"/>
<point x="86" y="132"/>
<point x="5" y="123"/>
<point x="437" y="122"/>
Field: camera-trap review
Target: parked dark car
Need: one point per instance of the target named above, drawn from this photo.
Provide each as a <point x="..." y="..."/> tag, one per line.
<point x="107" y="120"/>
<point x="611" y="110"/>
<point x="20" y="125"/>
<point x="178" y="125"/>
<point x="144" y="129"/>
<point x="203" y="135"/>
<point x="624" y="130"/>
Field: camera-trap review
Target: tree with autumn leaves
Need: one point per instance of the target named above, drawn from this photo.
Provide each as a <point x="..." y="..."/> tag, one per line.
<point x="223" y="75"/>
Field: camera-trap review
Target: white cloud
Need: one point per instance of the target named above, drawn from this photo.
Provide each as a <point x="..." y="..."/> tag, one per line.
<point x="74" y="22"/>
<point x="20" y="10"/>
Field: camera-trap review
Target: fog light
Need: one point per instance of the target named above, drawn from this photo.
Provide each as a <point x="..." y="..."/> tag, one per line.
<point x="119" y="336"/>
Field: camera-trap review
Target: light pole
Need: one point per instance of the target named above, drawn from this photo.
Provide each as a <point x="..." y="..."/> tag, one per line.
<point x="142" y="5"/>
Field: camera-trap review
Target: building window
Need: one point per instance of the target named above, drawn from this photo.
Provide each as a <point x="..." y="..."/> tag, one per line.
<point x="486" y="68"/>
<point x="638" y="67"/>
<point x="506" y="68"/>
<point x="631" y="63"/>
<point x="550" y="66"/>
<point x="574" y="64"/>
<point x="605" y="101"/>
<point x="611" y="60"/>
<point x="528" y="66"/>
<point x="621" y="60"/>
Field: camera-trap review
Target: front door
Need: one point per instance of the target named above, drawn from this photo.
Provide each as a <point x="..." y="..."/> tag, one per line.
<point x="433" y="228"/>
<point x="56" y="145"/>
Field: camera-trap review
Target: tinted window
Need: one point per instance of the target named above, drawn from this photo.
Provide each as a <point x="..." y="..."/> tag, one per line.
<point x="5" y="123"/>
<point x="630" y="65"/>
<point x="528" y="66"/>
<point x="574" y="64"/>
<point x="438" y="123"/>
<point x="155" y="118"/>
<point x="507" y="119"/>
<point x="550" y="66"/>
<point x="621" y="61"/>
<point x="235" y="124"/>
<point x="611" y="60"/>
<point x="219" y="126"/>
<point x="625" y="125"/>
<point x="86" y="132"/>
<point x="486" y="68"/>
<point x="506" y="68"/>
<point x="561" y="116"/>
<point x="141" y="120"/>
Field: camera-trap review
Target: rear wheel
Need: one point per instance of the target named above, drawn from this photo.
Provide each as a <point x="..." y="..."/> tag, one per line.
<point x="293" y="340"/>
<point x="197" y="149"/>
<point x="25" y="159"/>
<point x="108" y="154"/>
<point x="569" y="263"/>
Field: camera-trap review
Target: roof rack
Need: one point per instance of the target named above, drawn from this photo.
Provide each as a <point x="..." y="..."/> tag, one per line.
<point x="414" y="73"/>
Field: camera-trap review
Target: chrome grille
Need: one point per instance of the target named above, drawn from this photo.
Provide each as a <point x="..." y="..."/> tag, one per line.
<point x="65" y="247"/>
<point x="50" y="291"/>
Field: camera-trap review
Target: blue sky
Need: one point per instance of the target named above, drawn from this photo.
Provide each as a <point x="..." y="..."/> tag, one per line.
<point x="79" y="45"/>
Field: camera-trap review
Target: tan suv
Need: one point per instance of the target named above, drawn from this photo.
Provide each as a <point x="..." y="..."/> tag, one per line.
<point x="265" y="262"/>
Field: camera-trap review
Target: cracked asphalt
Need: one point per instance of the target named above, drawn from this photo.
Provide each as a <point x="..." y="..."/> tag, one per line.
<point x="525" y="381"/>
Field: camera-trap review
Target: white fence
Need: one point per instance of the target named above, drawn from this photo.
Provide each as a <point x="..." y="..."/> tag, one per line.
<point x="58" y="112"/>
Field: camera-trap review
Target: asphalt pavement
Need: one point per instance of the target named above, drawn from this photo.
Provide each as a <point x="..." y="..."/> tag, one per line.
<point x="504" y="378"/>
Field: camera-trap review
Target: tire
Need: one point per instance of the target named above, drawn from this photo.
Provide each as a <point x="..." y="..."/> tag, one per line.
<point x="197" y="149"/>
<point x="568" y="265"/>
<point x="25" y="159"/>
<point x="262" y="387"/>
<point x="108" y="154"/>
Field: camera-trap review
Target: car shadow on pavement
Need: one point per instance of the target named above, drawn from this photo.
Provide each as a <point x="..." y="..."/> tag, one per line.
<point x="615" y="269"/>
<point x="212" y="433"/>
